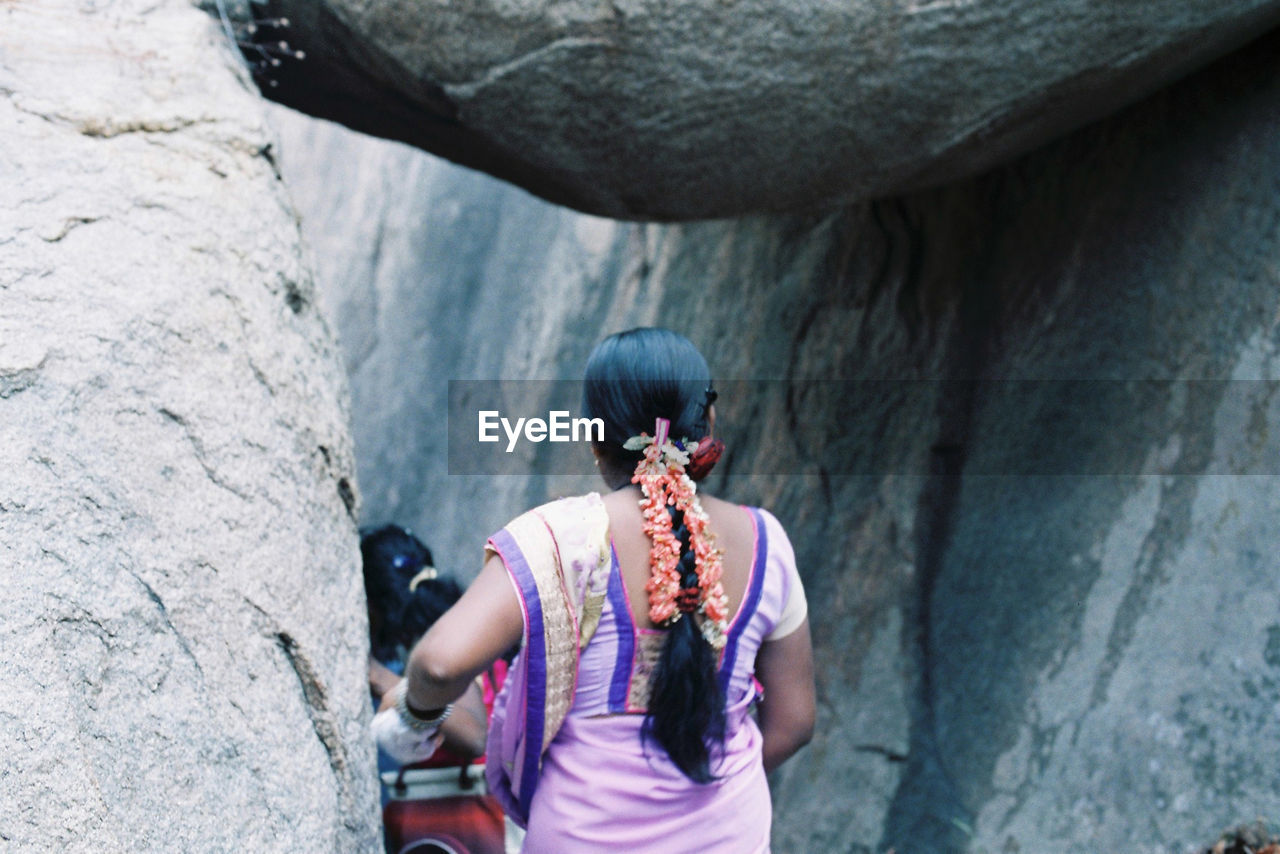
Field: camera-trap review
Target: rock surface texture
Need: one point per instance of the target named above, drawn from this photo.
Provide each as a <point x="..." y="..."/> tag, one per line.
<point x="690" y="110"/>
<point x="1044" y="610"/>
<point x="182" y="625"/>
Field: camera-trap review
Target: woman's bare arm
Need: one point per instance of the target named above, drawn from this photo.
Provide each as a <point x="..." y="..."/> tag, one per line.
<point x="486" y="622"/>
<point x="786" y="714"/>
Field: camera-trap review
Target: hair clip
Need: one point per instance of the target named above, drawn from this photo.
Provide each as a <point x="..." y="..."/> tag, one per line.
<point x="428" y="573"/>
<point x="661" y="428"/>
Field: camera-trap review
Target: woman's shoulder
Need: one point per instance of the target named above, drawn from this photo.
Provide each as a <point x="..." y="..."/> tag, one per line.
<point x="771" y="523"/>
<point x="776" y="535"/>
<point x="772" y="543"/>
<point x="575" y="526"/>
<point x="758" y="516"/>
<point x="567" y="510"/>
<point x="782" y="604"/>
<point x="571" y="505"/>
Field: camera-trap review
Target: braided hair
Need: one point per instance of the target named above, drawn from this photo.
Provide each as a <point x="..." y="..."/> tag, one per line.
<point x="632" y="378"/>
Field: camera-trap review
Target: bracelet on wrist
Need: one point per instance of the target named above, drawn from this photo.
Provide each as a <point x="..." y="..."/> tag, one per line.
<point x="413" y="720"/>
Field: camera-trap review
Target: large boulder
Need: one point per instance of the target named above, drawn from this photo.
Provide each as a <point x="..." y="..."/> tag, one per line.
<point x="1044" y="610"/>
<point x="697" y="109"/>
<point x="183" y="626"/>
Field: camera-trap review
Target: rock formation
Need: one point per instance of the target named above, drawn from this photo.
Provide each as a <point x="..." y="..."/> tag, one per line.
<point x="1020" y="426"/>
<point x="1040" y="552"/>
<point x="183" y="624"/>
<point x="694" y="109"/>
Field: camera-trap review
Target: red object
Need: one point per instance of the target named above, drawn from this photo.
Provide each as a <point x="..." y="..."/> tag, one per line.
<point x="465" y="824"/>
<point x="455" y="824"/>
<point x="704" y="457"/>
<point x="493" y="683"/>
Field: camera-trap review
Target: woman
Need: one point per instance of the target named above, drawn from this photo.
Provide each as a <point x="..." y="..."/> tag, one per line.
<point x="650" y="617"/>
<point x="405" y="596"/>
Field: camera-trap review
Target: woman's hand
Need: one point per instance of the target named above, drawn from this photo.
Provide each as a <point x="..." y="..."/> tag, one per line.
<point x="464" y="731"/>
<point x="404" y="744"/>
<point x="388" y="696"/>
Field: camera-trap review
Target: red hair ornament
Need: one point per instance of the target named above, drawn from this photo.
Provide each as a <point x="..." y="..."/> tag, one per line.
<point x="704" y="457"/>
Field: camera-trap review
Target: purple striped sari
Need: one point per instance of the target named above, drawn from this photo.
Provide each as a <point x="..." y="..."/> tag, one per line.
<point x="558" y="558"/>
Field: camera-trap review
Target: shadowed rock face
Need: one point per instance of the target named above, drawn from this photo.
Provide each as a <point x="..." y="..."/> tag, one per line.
<point x="1044" y="614"/>
<point x="182" y="625"/>
<point x="690" y="110"/>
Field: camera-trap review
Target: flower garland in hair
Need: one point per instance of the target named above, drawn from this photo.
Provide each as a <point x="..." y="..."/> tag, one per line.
<point x="664" y="483"/>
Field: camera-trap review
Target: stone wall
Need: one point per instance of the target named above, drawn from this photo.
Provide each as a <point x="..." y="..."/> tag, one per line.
<point x="183" y="623"/>
<point x="1040" y="554"/>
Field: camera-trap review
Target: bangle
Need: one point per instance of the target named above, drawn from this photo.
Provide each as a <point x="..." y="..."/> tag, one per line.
<point x="412" y="719"/>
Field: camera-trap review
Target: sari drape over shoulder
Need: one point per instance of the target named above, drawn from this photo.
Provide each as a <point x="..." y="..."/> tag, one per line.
<point x="559" y="560"/>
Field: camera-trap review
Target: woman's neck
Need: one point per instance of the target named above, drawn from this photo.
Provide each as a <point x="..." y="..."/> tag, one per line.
<point x="615" y="478"/>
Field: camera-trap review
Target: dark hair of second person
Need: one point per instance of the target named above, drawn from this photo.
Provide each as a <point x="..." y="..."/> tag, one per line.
<point x="400" y="611"/>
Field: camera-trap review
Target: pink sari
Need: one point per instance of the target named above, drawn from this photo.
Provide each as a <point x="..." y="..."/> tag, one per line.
<point x="586" y="781"/>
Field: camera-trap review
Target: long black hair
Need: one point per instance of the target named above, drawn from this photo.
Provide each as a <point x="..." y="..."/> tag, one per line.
<point x="398" y="616"/>
<point x="633" y="378"/>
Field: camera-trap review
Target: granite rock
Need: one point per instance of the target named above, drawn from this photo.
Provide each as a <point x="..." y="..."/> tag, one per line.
<point x="183" y="625"/>
<point x="692" y="110"/>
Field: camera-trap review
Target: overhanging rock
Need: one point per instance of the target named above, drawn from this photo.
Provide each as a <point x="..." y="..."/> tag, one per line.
<point x="698" y="109"/>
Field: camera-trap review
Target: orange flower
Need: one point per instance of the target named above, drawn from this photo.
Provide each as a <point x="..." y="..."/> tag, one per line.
<point x="663" y="483"/>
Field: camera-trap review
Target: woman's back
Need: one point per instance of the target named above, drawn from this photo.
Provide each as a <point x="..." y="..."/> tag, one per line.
<point x="604" y="784"/>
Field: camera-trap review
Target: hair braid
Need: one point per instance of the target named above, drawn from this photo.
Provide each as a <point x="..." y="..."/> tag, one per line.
<point x="686" y="701"/>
